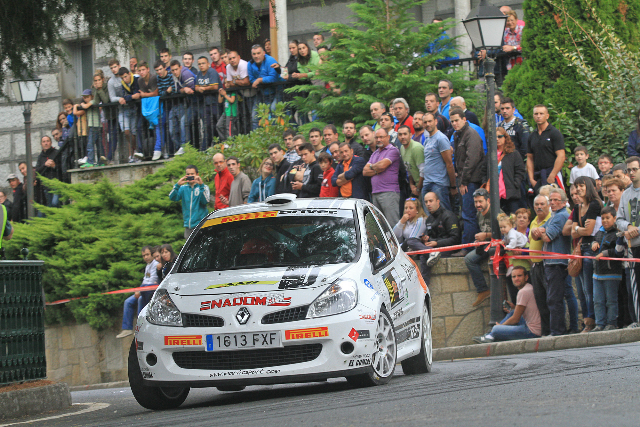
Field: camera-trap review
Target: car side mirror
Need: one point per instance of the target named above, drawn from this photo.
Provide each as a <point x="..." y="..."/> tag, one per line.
<point x="378" y="258"/>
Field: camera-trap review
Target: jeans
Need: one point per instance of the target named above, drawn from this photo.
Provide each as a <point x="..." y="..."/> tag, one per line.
<point x="133" y="306"/>
<point x="94" y="142"/>
<point x="605" y="300"/>
<point x="388" y="202"/>
<point x="572" y="304"/>
<point x="179" y="125"/>
<point x="587" y="280"/>
<point x="271" y="99"/>
<point x="469" y="215"/>
<point x="474" y="264"/>
<point x="519" y="331"/>
<point x="630" y="306"/>
<point x="556" y="275"/>
<point x="441" y="190"/>
<point x="415" y="244"/>
<point x="633" y="288"/>
<point x="208" y="114"/>
<point x="539" y="283"/>
<point x="226" y="127"/>
<point x="510" y="206"/>
<point x="581" y="298"/>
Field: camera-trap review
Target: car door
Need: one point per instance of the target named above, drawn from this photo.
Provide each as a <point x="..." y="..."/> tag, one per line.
<point x="389" y="275"/>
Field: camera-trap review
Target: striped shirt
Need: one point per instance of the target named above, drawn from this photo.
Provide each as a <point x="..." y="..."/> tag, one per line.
<point x="164" y="83"/>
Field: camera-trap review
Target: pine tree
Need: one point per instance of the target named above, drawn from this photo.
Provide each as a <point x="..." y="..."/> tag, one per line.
<point x="378" y="56"/>
<point x="544" y="77"/>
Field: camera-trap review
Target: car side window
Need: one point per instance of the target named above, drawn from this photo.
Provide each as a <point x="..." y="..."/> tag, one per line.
<point x="375" y="237"/>
<point x="387" y="232"/>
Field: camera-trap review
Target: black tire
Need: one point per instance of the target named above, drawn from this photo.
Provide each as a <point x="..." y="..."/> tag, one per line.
<point x="378" y="375"/>
<point x="155" y="398"/>
<point x="231" y="387"/>
<point x="423" y="361"/>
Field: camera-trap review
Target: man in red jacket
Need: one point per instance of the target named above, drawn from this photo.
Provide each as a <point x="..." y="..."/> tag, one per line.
<point x="223" y="180"/>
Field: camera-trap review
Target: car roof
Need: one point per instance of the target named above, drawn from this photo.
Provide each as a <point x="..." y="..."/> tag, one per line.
<point x="293" y="204"/>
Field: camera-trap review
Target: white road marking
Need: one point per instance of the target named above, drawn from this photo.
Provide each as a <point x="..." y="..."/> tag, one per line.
<point x="92" y="407"/>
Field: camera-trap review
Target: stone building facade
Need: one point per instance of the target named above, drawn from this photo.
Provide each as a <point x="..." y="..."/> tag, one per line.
<point x="85" y="56"/>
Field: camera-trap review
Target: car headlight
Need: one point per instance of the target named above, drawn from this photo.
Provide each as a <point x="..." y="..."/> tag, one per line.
<point x="162" y="311"/>
<point x="340" y="296"/>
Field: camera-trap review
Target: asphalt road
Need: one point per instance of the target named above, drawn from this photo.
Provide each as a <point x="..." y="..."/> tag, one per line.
<point x="580" y="387"/>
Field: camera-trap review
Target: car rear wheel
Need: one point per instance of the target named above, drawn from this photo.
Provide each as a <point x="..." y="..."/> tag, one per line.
<point x="422" y="362"/>
<point x="155" y="398"/>
<point x="383" y="359"/>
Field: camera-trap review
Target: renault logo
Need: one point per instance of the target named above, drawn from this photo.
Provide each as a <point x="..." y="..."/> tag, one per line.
<point x="243" y="315"/>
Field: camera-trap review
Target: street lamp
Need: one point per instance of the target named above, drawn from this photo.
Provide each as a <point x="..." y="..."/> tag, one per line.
<point x="26" y="92"/>
<point x="485" y="26"/>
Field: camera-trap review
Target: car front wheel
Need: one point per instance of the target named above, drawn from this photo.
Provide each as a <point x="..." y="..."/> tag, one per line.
<point x="384" y="357"/>
<point x="155" y="398"/>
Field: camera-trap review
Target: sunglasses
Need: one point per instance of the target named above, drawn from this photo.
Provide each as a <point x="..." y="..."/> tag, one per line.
<point x="413" y="199"/>
<point x="500" y="136"/>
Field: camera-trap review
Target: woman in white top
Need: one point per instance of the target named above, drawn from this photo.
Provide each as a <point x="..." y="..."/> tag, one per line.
<point x="412" y="222"/>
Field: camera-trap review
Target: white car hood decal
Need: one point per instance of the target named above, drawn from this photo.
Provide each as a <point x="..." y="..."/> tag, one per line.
<point x="253" y="280"/>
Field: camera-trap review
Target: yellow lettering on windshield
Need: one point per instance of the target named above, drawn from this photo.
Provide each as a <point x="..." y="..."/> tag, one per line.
<point x="241" y="217"/>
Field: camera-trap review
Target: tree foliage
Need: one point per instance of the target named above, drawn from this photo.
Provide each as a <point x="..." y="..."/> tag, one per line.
<point x="92" y="245"/>
<point x="31" y="31"/>
<point x="378" y="56"/>
<point x="614" y="95"/>
<point x="543" y="77"/>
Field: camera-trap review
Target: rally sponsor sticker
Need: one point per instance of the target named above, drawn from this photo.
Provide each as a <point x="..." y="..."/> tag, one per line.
<point x="271" y="300"/>
<point x="299" y="334"/>
<point x="240" y="217"/>
<point x="183" y="340"/>
<point x="248" y="282"/>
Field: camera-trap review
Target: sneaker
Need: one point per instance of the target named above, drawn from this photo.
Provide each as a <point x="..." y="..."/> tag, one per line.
<point x="87" y="165"/>
<point x="481" y="297"/>
<point x="83" y="160"/>
<point x="434" y="257"/>
<point x="103" y="159"/>
<point x="610" y="328"/>
<point x="597" y="329"/>
<point x="180" y="152"/>
<point x="459" y="254"/>
<point x="485" y="339"/>
<point x="156" y="155"/>
<point x="124" y="333"/>
<point x="136" y="160"/>
<point x="138" y="155"/>
<point x="132" y="159"/>
<point x="634" y="325"/>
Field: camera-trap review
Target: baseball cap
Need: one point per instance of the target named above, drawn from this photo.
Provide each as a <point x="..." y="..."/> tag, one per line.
<point x="11" y="176"/>
<point x="86" y="92"/>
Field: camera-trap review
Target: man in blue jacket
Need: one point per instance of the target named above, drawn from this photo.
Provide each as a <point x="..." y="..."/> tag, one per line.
<point x="555" y="269"/>
<point x="194" y="195"/>
<point x="261" y="72"/>
<point x="348" y="175"/>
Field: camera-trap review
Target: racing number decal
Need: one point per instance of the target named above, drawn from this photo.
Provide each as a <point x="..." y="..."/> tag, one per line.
<point x="392" y="283"/>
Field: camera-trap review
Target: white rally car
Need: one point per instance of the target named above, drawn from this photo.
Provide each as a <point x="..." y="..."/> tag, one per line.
<point x="288" y="290"/>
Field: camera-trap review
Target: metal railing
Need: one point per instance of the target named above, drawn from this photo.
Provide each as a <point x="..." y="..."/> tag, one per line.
<point x="22" y="348"/>
<point x="180" y="119"/>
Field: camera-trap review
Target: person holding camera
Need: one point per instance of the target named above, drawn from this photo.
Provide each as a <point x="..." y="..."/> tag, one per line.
<point x="194" y="195"/>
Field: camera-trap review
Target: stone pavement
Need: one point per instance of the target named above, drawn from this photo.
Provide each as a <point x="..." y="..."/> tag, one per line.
<point x="535" y="345"/>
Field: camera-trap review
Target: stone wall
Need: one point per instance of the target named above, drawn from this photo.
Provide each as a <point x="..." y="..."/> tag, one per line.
<point x="118" y="174"/>
<point x="455" y="321"/>
<point x="80" y="355"/>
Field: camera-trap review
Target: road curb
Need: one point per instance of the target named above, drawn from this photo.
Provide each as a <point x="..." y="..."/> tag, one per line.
<point x="34" y="401"/>
<point x="100" y="386"/>
<point x="537" y="345"/>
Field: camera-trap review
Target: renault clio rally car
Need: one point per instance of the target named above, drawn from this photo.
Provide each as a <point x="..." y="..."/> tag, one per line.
<point x="288" y="290"/>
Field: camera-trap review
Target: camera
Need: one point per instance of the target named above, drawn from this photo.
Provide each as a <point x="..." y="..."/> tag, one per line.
<point x="191" y="178"/>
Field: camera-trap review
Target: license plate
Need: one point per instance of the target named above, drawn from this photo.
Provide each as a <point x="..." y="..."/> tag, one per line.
<point x="218" y="342"/>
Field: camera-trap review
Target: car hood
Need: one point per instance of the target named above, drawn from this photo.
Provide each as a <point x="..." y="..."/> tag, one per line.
<point x="253" y="280"/>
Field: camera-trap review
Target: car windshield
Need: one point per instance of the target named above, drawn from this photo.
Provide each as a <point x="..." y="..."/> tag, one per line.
<point x="265" y="239"/>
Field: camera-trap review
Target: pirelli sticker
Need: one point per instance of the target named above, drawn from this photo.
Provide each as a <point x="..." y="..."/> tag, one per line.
<point x="241" y="217"/>
<point x="299" y="334"/>
<point x="183" y="340"/>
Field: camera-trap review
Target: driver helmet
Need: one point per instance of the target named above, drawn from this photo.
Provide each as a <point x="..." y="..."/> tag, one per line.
<point x="259" y="246"/>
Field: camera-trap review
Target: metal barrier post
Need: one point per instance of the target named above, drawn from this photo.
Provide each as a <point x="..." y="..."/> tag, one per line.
<point x="22" y="349"/>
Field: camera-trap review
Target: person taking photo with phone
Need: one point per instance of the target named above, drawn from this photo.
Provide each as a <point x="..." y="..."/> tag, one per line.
<point x="194" y="195"/>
